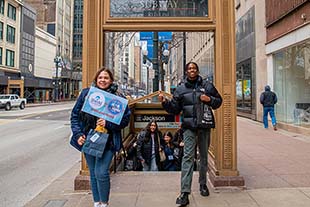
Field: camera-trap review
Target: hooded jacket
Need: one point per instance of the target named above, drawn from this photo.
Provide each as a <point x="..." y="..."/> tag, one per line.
<point x="268" y="98"/>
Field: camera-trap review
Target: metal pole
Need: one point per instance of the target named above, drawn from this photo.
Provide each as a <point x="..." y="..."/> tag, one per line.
<point x="184" y="53"/>
<point x="56" y="81"/>
<point x="155" y="62"/>
<point x="162" y="80"/>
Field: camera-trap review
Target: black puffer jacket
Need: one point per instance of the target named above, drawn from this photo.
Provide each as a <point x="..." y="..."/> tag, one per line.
<point x="186" y="98"/>
<point x="144" y="146"/>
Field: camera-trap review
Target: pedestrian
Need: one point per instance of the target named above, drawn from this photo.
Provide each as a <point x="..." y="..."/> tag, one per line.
<point x="189" y="96"/>
<point x="148" y="147"/>
<point x="268" y="99"/>
<point x="170" y="163"/>
<point x="81" y="123"/>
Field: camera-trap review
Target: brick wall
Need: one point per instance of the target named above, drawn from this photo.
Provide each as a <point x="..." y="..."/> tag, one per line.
<point x="283" y="16"/>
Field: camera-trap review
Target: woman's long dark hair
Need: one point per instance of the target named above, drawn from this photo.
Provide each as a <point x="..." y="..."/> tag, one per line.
<point x="148" y="130"/>
<point x="169" y="134"/>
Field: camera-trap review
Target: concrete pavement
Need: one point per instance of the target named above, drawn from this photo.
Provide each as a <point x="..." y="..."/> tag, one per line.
<point x="274" y="164"/>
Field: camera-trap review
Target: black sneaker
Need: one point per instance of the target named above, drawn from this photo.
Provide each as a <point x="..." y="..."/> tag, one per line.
<point x="182" y="200"/>
<point x="204" y="191"/>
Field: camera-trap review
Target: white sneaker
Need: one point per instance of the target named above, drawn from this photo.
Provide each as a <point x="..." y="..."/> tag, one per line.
<point x="104" y="205"/>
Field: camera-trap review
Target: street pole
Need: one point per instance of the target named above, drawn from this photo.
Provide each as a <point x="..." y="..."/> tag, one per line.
<point x="56" y="61"/>
<point x="184" y="53"/>
<point x="162" y="80"/>
<point x="155" y="62"/>
<point x="56" y="80"/>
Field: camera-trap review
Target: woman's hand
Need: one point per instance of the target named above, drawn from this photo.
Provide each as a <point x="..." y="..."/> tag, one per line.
<point x="101" y="122"/>
<point x="81" y="140"/>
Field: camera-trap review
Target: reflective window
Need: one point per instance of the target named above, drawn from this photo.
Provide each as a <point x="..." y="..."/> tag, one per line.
<point x="10" y="34"/>
<point x="11" y="12"/>
<point x="292" y="84"/>
<point x="158" y="8"/>
<point x="244" y="85"/>
<point x="10" y="58"/>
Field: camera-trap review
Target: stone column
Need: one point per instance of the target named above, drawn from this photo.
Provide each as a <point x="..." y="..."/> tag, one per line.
<point x="92" y="61"/>
<point x="223" y="159"/>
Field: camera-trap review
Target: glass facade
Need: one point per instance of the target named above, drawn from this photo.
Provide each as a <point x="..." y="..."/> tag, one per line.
<point x="244" y="85"/>
<point x="159" y="8"/>
<point x="246" y="67"/>
<point x="292" y="84"/>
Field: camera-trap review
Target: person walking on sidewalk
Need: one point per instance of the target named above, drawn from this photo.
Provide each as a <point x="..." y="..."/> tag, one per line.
<point x="188" y="97"/>
<point x="81" y="123"/>
<point x="268" y="99"/>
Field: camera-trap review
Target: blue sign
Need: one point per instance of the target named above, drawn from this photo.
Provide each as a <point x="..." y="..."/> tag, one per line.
<point x="105" y="105"/>
<point x="148" y="36"/>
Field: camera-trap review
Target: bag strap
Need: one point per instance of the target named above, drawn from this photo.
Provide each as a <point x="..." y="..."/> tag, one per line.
<point x="158" y="142"/>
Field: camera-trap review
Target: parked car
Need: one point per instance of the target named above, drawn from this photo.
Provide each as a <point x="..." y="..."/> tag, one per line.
<point x="8" y="101"/>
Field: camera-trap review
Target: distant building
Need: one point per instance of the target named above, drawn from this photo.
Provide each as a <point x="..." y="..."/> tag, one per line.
<point x="10" y="21"/>
<point x="56" y="17"/>
<point x="273" y="47"/>
<point x="288" y="60"/>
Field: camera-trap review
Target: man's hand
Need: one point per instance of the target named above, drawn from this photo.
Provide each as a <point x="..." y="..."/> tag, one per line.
<point x="205" y="98"/>
<point x="161" y="97"/>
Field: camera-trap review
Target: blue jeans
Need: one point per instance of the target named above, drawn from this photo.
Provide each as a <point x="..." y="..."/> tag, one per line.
<point x="270" y="110"/>
<point x="100" y="175"/>
<point x="152" y="166"/>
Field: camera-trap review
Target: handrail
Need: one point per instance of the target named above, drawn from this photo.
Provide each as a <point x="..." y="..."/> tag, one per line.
<point x="149" y="96"/>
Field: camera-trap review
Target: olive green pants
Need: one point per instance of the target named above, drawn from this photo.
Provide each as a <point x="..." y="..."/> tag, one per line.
<point x="201" y="137"/>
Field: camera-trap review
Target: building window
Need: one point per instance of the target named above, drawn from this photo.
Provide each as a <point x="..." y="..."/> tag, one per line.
<point x="11" y="12"/>
<point x="51" y="29"/>
<point x="10" y="58"/>
<point x="10" y="34"/>
<point x="0" y="55"/>
<point x="2" y="6"/>
<point x="1" y="30"/>
<point x="244" y="86"/>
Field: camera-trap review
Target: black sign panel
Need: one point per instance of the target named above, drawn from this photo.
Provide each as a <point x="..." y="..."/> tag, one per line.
<point x="157" y="118"/>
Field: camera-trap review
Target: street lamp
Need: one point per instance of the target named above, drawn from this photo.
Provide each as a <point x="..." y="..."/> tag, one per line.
<point x="163" y="59"/>
<point x="57" y="60"/>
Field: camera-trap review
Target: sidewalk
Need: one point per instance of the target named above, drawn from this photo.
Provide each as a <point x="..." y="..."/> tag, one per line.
<point x="275" y="166"/>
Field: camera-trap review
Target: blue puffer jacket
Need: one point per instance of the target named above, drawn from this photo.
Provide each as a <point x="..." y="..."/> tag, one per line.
<point x="82" y="122"/>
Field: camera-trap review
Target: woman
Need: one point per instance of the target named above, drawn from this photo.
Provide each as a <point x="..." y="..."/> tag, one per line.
<point x="148" y="146"/>
<point x="82" y="122"/>
<point x="169" y="148"/>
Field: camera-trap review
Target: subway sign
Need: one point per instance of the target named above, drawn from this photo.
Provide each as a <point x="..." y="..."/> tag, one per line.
<point x="163" y="120"/>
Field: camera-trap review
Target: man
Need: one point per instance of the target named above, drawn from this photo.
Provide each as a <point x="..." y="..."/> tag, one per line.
<point x="188" y="97"/>
<point x="268" y="99"/>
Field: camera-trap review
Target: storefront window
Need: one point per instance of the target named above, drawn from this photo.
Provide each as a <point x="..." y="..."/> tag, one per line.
<point x="292" y="84"/>
<point x="244" y="86"/>
<point x="158" y="8"/>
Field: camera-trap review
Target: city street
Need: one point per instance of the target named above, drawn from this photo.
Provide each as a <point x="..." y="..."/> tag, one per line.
<point x="34" y="151"/>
